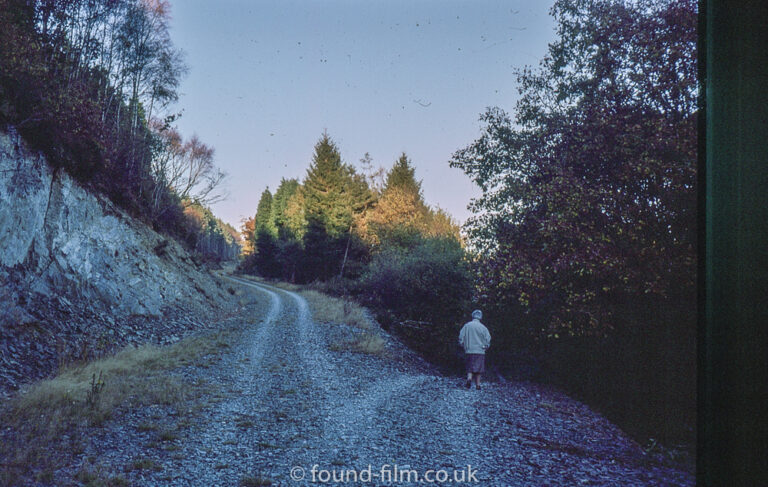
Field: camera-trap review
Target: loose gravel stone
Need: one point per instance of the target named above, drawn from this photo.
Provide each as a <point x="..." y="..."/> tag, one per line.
<point x="290" y="409"/>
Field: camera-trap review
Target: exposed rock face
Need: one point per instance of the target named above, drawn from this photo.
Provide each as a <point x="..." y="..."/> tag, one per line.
<point x="68" y="255"/>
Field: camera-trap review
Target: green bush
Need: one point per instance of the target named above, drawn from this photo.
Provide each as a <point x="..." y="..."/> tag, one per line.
<point x="423" y="291"/>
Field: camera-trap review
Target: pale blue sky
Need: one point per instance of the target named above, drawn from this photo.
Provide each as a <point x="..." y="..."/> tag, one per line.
<point x="267" y="78"/>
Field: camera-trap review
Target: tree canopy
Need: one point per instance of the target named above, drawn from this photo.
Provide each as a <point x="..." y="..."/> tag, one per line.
<point x="585" y="231"/>
<point x="326" y="189"/>
<point x="333" y="222"/>
<point x="283" y="194"/>
<point x="590" y="194"/>
<point x="403" y="176"/>
<point x="264" y="220"/>
<point x="90" y="83"/>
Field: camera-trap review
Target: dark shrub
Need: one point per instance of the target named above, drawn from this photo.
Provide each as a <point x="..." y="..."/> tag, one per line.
<point x="424" y="292"/>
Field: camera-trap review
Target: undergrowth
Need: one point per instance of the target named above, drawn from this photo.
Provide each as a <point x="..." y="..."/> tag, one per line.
<point x="51" y="421"/>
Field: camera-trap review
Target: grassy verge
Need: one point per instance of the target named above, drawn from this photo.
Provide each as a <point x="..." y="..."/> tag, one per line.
<point x="367" y="343"/>
<point x="328" y="309"/>
<point x="325" y="308"/>
<point x="52" y="421"/>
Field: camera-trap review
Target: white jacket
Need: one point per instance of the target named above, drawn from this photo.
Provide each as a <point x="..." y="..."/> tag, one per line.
<point x="474" y="337"/>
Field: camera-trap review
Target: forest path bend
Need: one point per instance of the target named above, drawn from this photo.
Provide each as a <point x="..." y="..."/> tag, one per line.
<point x="292" y="399"/>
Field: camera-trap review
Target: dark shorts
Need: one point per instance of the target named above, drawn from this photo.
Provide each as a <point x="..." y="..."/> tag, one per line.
<point x="475" y="362"/>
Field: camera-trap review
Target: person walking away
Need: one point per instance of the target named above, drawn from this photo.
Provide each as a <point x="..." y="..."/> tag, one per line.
<point x="475" y="339"/>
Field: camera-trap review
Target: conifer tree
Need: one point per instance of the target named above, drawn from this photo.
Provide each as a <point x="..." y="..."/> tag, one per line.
<point x="284" y="192"/>
<point x="400" y="213"/>
<point x="403" y="176"/>
<point x="326" y="195"/>
<point x="267" y="258"/>
<point x="333" y="195"/>
<point x="263" y="219"/>
<point x="294" y="216"/>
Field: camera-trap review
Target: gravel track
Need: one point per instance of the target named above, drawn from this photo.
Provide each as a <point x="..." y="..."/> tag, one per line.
<point x="288" y="400"/>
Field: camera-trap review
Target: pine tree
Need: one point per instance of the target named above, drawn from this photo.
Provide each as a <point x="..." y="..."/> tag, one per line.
<point x="403" y="176"/>
<point x="400" y="215"/>
<point x="263" y="218"/>
<point x="327" y="200"/>
<point x="294" y="217"/>
<point x="322" y="253"/>
<point x="284" y="192"/>
<point x="267" y="254"/>
<point x="334" y="197"/>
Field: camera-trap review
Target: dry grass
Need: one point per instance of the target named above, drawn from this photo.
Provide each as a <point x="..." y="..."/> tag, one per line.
<point x="335" y="310"/>
<point x="94" y="476"/>
<point x="367" y="343"/>
<point x="325" y="308"/>
<point x="83" y="396"/>
<point x="124" y="376"/>
<point x="329" y="309"/>
<point x="287" y="286"/>
<point x="372" y="344"/>
<point x="143" y="463"/>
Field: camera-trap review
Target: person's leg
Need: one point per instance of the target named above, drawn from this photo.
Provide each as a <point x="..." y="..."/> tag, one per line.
<point x="477" y="380"/>
<point x="469" y="380"/>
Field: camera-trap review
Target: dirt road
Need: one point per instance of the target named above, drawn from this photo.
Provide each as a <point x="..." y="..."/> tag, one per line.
<point x="294" y="407"/>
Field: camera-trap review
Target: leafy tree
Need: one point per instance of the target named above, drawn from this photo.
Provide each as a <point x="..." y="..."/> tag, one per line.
<point x="587" y="218"/>
<point x="440" y="223"/>
<point x="418" y="273"/>
<point x="208" y="235"/>
<point x="186" y="168"/>
<point x="592" y="195"/>
<point x="151" y="67"/>
<point x="375" y="177"/>
<point x="400" y="215"/>
<point x="428" y="283"/>
<point x="397" y="219"/>
<point x="248" y="232"/>
<point x="83" y="81"/>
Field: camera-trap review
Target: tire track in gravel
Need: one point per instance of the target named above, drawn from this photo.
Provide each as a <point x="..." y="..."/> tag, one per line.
<point x="318" y="367"/>
<point x="360" y="410"/>
<point x="254" y="426"/>
<point x="370" y="427"/>
<point x="221" y="434"/>
<point x="286" y="395"/>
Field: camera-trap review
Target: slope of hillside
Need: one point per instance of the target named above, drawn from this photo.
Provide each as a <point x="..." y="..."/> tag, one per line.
<point x="80" y="277"/>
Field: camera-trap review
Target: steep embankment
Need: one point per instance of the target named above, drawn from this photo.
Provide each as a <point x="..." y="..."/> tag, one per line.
<point x="80" y="276"/>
